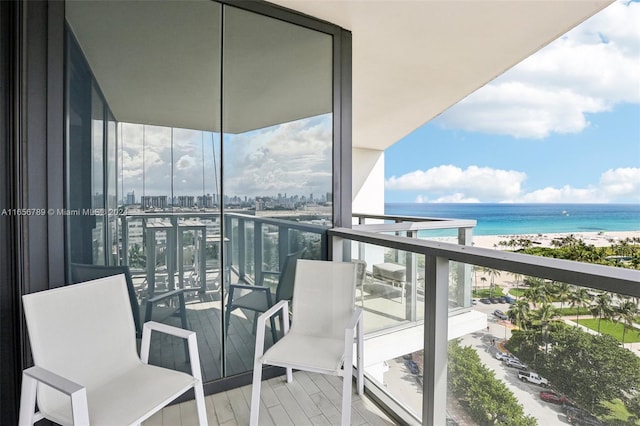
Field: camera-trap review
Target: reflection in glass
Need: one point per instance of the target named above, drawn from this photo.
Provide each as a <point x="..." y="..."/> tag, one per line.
<point x="111" y="210"/>
<point x="150" y="136"/>
<point x="97" y="178"/>
<point x="278" y="146"/>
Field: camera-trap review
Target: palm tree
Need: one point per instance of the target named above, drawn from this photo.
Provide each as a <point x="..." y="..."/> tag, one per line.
<point x="516" y="277"/>
<point x="626" y="314"/>
<point x="579" y="297"/>
<point x="136" y="257"/>
<point x="493" y="273"/>
<point x="562" y="292"/>
<point x="475" y="276"/>
<point x="519" y="313"/>
<point x="602" y="308"/>
<point x="537" y="292"/>
<point x="545" y="315"/>
<point x="483" y="280"/>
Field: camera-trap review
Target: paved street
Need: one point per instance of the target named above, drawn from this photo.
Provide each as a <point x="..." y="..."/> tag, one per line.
<point x="402" y="384"/>
<point x="528" y="394"/>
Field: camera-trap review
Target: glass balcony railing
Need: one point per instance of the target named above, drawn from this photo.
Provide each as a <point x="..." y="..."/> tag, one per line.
<point x="432" y="345"/>
<point x="432" y="323"/>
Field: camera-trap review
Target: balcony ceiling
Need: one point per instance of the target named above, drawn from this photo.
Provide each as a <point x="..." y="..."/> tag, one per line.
<point x="155" y="62"/>
<point x="413" y="59"/>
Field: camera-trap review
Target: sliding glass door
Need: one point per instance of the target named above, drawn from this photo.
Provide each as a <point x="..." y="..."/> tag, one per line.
<point x="199" y="155"/>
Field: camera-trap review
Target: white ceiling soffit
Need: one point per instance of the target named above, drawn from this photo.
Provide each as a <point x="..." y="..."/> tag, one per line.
<point x="141" y="54"/>
<point x="413" y="59"/>
<point x="158" y="62"/>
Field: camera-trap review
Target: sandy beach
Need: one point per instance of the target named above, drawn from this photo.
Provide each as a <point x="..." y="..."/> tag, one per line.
<point x="598" y="239"/>
<point x="506" y="280"/>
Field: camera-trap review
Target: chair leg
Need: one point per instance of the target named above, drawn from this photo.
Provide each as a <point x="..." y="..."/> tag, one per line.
<point x="255" y="393"/>
<point x="229" y="307"/>
<point x="183" y="323"/>
<point x="200" y="404"/>
<point x="346" y="391"/>
<point x="27" y="401"/>
<point x="227" y="319"/>
<point x="360" y="356"/>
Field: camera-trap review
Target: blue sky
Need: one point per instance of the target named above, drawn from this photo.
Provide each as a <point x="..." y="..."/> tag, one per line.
<point x="561" y="126"/>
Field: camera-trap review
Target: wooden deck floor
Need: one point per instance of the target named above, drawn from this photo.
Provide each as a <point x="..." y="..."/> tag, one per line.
<point x="311" y="399"/>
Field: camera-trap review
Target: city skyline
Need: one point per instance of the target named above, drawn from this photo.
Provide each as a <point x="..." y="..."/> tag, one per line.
<point x="212" y="200"/>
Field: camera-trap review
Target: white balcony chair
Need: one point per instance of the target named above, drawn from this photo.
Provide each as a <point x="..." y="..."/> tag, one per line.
<point x="325" y="322"/>
<point x="87" y="369"/>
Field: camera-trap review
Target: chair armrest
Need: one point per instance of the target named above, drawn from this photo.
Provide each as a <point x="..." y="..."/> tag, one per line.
<point x="190" y="336"/>
<point x="76" y="392"/>
<point x="150" y="326"/>
<point x="261" y="323"/>
<point x="281" y="305"/>
<point x="355" y="319"/>
<point x="54" y="380"/>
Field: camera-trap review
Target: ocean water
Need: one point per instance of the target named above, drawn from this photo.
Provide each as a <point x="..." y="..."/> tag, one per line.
<point x="507" y="219"/>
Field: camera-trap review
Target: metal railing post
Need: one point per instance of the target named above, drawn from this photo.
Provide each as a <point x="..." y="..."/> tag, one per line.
<point x="436" y="315"/>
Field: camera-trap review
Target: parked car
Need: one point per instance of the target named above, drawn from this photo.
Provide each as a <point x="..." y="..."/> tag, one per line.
<point x="494" y="299"/>
<point x="556" y="398"/>
<point x="504" y="356"/>
<point x="500" y="314"/>
<point x="412" y="366"/>
<point x="531" y="377"/>
<point x="498" y="354"/>
<point x="580" y="417"/>
<point x="503" y="299"/>
<point x="510" y="299"/>
<point x="516" y="363"/>
<point x="485" y="300"/>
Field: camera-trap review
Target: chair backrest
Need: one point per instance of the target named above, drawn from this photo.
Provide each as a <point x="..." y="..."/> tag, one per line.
<point x="82" y="272"/>
<point x="361" y="271"/>
<point x="286" y="281"/>
<point x="323" y="298"/>
<point x="83" y="332"/>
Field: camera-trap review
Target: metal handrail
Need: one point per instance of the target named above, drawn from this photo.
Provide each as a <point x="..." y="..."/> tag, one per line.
<point x="413" y="222"/>
<point x="600" y="277"/>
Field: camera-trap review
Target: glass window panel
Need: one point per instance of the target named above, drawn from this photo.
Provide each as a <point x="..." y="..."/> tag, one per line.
<point x="160" y="159"/>
<point x="278" y="150"/>
<point x="97" y="178"/>
<point x="159" y="155"/>
<point x="79" y="152"/>
<point x="157" y="146"/>
<point x="111" y="209"/>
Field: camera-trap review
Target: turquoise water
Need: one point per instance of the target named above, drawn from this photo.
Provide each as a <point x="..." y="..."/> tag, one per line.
<point x="506" y="219"/>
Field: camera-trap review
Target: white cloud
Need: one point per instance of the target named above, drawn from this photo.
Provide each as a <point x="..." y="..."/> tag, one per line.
<point x="450" y="184"/>
<point x="622" y="182"/>
<point x="472" y="183"/>
<point x="453" y="198"/>
<point x="566" y="194"/>
<point x="291" y="158"/>
<point x="186" y="162"/>
<point x="589" y="70"/>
